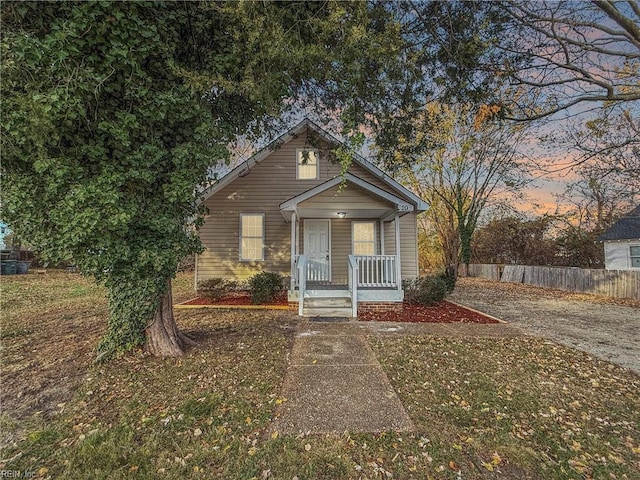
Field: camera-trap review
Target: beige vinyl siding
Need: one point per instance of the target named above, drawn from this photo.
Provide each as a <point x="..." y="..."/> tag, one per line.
<point x="408" y="244"/>
<point x="367" y="176"/>
<point x="352" y="196"/>
<point x="261" y="191"/>
<point x="340" y="250"/>
<point x="389" y="238"/>
<point x="267" y="185"/>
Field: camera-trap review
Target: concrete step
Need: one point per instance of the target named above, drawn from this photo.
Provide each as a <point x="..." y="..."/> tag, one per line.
<point x="311" y="293"/>
<point x="342" y="302"/>
<point x="327" y="312"/>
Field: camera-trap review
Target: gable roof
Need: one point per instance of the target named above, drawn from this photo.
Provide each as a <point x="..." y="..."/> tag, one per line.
<point x="260" y="155"/>
<point x="627" y="228"/>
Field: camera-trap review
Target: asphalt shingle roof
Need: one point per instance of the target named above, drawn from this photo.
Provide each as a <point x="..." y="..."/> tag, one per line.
<point x="628" y="227"/>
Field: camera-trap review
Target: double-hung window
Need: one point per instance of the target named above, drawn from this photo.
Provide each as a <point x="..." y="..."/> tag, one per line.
<point x="634" y="254"/>
<point x="307" y="164"/>
<point x="251" y="237"/>
<point x="364" y="238"/>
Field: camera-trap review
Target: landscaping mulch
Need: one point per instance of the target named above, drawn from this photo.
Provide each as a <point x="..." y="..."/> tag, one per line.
<point x="443" y="312"/>
<point x="237" y="299"/>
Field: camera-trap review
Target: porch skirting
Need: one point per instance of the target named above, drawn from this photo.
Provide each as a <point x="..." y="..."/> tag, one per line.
<point x="367" y="306"/>
<point x="380" y="306"/>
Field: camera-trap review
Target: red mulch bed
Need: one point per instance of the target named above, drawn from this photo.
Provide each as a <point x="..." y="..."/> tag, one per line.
<point x="236" y="299"/>
<point x="443" y="312"/>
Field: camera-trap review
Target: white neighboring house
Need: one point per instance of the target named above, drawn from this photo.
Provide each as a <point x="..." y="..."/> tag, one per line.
<point x="622" y="243"/>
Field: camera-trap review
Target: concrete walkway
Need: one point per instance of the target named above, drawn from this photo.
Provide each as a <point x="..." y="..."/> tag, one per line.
<point x="335" y="384"/>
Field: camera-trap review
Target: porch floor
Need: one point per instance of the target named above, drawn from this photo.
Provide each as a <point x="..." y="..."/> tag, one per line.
<point x="337" y="286"/>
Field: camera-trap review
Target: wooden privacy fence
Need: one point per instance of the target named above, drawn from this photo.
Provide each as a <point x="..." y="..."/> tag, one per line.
<point x="612" y="283"/>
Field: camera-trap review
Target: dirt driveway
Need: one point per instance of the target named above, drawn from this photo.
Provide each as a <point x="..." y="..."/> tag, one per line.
<point x="606" y="328"/>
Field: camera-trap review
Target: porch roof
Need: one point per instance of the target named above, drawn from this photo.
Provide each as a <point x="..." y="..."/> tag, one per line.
<point x="383" y="205"/>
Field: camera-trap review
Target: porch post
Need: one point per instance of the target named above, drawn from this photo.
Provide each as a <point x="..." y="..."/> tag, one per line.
<point x="294" y="246"/>
<point x="382" y="252"/>
<point x="396" y="221"/>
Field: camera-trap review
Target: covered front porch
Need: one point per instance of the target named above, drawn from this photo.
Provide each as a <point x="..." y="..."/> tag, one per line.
<point x="345" y="247"/>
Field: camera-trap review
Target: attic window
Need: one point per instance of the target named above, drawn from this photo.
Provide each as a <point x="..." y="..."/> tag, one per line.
<point x="634" y="253"/>
<point x="307" y="164"/>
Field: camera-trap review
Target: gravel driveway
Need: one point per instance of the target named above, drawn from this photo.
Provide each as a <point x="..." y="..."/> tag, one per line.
<point x="605" y="328"/>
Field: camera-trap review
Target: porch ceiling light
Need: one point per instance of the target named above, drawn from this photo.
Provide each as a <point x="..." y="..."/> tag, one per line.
<point x="342" y="214"/>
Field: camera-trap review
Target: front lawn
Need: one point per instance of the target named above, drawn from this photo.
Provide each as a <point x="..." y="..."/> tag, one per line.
<point x="513" y="408"/>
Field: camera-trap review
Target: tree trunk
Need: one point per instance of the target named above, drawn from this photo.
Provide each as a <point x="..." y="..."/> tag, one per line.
<point x="163" y="337"/>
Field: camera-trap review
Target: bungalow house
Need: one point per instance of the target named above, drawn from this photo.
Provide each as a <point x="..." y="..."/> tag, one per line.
<point x="622" y="243"/>
<point x="342" y="241"/>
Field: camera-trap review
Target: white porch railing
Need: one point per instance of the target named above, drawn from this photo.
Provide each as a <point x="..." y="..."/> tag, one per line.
<point x="301" y="280"/>
<point x="353" y="285"/>
<point x="377" y="270"/>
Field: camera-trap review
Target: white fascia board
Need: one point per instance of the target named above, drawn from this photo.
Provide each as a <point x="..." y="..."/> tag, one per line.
<point x="381" y="193"/>
<point x="420" y="204"/>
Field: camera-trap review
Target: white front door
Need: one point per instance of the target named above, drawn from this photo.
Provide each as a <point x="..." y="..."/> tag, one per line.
<point x="317" y="241"/>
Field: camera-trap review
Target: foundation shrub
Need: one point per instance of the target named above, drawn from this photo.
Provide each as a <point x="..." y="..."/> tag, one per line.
<point x="427" y="290"/>
<point x="265" y="286"/>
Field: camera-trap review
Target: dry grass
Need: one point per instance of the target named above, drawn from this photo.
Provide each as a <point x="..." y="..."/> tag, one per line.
<point x="484" y="408"/>
<point x="504" y="290"/>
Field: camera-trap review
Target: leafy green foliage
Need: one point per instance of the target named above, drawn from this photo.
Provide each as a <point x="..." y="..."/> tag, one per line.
<point x="215" y="288"/>
<point x="265" y="286"/>
<point x="103" y="145"/>
<point x="427" y="290"/>
<point x="115" y="112"/>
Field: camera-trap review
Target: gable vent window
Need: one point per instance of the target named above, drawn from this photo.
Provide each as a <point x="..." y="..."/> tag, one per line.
<point x="635" y="256"/>
<point x="307" y="164"/>
<point x="251" y="237"/>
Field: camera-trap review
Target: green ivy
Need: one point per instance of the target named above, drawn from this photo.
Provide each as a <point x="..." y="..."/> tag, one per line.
<point x="114" y="113"/>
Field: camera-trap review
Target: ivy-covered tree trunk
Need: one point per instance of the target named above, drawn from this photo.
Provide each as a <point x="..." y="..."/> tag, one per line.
<point x="466" y="233"/>
<point x="162" y="335"/>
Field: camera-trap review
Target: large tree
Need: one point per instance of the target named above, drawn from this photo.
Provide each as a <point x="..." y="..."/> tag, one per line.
<point x="569" y="54"/>
<point x="113" y="114"/>
<point x="460" y="160"/>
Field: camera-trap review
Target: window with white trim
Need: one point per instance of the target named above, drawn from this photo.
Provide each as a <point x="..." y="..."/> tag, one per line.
<point x="251" y="237"/>
<point x="364" y="238"/>
<point x="634" y="254"/>
<point x="307" y="164"/>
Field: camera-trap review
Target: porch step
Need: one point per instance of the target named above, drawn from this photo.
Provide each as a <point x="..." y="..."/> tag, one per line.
<point x="328" y="302"/>
<point x="327" y="312"/>
<point x="335" y="306"/>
